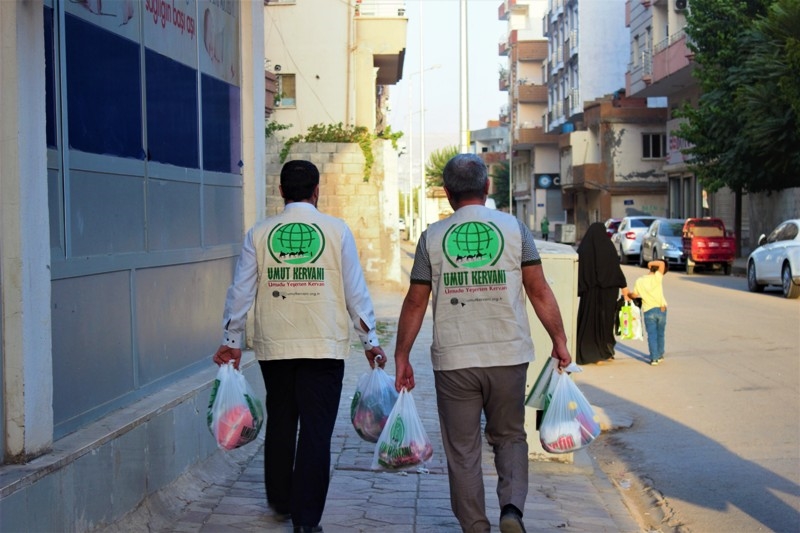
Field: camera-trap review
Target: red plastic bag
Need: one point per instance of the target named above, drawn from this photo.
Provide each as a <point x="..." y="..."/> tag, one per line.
<point x="373" y="401"/>
<point x="569" y="422"/>
<point x="235" y="415"/>
<point x="403" y="441"/>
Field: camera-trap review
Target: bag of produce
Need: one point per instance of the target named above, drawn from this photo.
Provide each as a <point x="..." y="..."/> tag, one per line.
<point x="403" y="441"/>
<point x="373" y="401"/>
<point x="569" y="422"/>
<point x="235" y="415"/>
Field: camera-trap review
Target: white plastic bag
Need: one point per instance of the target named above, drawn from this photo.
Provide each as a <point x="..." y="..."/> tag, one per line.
<point x="372" y="402"/>
<point x="235" y="415"/>
<point x="569" y="422"/>
<point x="403" y="441"/>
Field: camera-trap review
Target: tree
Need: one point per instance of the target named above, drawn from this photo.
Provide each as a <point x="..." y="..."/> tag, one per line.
<point x="768" y="96"/>
<point x="499" y="176"/>
<point x="744" y="128"/>
<point x="434" y="169"/>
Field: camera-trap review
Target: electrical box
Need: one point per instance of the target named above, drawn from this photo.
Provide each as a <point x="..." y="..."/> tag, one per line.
<point x="560" y="264"/>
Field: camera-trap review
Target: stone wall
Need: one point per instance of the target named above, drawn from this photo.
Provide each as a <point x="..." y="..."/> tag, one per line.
<point x="768" y="210"/>
<point x="370" y="208"/>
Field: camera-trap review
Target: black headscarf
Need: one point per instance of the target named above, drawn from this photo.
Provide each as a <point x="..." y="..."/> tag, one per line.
<point x="598" y="262"/>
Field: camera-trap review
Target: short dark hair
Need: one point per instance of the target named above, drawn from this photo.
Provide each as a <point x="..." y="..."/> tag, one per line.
<point x="298" y="180"/>
<point x="465" y="176"/>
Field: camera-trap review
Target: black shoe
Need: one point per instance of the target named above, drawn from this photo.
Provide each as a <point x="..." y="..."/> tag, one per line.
<point x="281" y="514"/>
<point x="511" y="520"/>
<point x="307" y="529"/>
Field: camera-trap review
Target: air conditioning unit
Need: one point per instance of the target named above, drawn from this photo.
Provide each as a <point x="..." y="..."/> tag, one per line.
<point x="680" y="5"/>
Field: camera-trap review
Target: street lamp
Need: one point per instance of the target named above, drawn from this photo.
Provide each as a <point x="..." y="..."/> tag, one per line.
<point x="412" y="230"/>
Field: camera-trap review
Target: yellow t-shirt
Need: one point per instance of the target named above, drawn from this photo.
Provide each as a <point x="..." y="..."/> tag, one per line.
<point x="650" y="289"/>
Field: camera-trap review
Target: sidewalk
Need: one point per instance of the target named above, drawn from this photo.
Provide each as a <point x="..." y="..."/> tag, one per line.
<point x="226" y="492"/>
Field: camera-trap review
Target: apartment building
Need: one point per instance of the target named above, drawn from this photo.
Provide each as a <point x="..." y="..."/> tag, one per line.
<point x="588" y="50"/>
<point x="661" y="65"/>
<point x="534" y="152"/>
<point x="334" y="64"/>
<point x="612" y="167"/>
<point x="334" y="60"/>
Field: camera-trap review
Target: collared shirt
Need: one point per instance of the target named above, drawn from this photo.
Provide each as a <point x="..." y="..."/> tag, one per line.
<point x="242" y="291"/>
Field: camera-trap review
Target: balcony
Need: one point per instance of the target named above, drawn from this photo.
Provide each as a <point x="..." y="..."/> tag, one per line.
<point x="529" y="93"/>
<point x="493" y="158"/>
<point x="509" y="6"/>
<point x="526" y="137"/>
<point x="502" y="12"/>
<point x="665" y="71"/>
<point x="503" y="48"/>
<point x="270" y="91"/>
<point x="532" y="50"/>
<point x="588" y="176"/>
<point x="503" y="83"/>
<point x="381" y="29"/>
<point x="380" y="8"/>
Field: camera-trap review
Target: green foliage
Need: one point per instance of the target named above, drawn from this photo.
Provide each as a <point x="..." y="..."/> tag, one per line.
<point x="274" y="127"/>
<point x="339" y="133"/>
<point x="500" y="185"/>
<point x="390" y="135"/>
<point x="434" y="168"/>
<point x="744" y="128"/>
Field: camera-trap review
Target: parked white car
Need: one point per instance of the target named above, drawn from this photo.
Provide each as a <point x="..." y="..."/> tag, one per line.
<point x="776" y="261"/>
<point x="628" y="238"/>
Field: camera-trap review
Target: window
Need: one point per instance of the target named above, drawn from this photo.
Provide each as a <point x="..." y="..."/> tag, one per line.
<point x="654" y="146"/>
<point x="287" y="91"/>
<point x="103" y="91"/>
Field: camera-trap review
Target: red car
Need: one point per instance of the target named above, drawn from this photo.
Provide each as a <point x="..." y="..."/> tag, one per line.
<point x="708" y="245"/>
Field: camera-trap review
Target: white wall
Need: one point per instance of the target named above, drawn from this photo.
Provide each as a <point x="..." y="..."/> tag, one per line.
<point x="311" y="40"/>
<point x="604" y="47"/>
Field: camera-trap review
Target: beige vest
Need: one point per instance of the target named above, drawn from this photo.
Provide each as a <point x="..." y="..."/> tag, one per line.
<point x="480" y="318"/>
<point x="300" y="309"/>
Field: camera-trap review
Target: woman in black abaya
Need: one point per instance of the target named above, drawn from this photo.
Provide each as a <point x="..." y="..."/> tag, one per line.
<point x="600" y="279"/>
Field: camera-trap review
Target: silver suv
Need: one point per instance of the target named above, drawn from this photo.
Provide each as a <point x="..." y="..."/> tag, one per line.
<point x="628" y="238"/>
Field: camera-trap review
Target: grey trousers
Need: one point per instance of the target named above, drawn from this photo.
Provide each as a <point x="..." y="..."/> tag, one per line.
<point x="499" y="393"/>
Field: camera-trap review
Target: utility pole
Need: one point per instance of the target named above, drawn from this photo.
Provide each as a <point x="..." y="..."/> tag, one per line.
<point x="464" y="100"/>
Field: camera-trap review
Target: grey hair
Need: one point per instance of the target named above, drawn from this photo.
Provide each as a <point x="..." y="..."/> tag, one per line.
<point x="465" y="175"/>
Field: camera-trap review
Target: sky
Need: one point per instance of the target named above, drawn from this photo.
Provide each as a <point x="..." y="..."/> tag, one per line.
<point x="439" y="44"/>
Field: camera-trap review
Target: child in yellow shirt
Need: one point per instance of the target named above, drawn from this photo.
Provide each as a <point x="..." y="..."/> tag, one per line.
<point x="654" y="308"/>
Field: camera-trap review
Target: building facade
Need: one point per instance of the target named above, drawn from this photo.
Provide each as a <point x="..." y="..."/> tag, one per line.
<point x="613" y="166"/>
<point x="341" y="78"/>
<point x="661" y="65"/>
<point x="132" y="160"/>
<point x="534" y="163"/>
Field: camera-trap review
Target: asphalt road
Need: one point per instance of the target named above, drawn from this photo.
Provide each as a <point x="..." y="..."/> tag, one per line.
<point x="713" y="443"/>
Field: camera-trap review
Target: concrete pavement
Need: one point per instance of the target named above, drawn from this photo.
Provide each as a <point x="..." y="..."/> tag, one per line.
<point x="226" y="492"/>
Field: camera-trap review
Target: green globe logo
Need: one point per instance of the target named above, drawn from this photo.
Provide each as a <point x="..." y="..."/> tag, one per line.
<point x="473" y="244"/>
<point x="296" y="243"/>
<point x="398" y="431"/>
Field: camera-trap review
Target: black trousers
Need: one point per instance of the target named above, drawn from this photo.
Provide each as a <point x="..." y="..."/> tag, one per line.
<point x="302" y="392"/>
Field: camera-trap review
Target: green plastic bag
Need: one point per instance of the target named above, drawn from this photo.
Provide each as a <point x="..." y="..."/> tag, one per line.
<point x="538" y="397"/>
<point x="630" y="322"/>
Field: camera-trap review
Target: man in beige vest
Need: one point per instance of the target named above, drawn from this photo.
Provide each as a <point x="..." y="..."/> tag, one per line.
<point x="479" y="264"/>
<point x="302" y="271"/>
